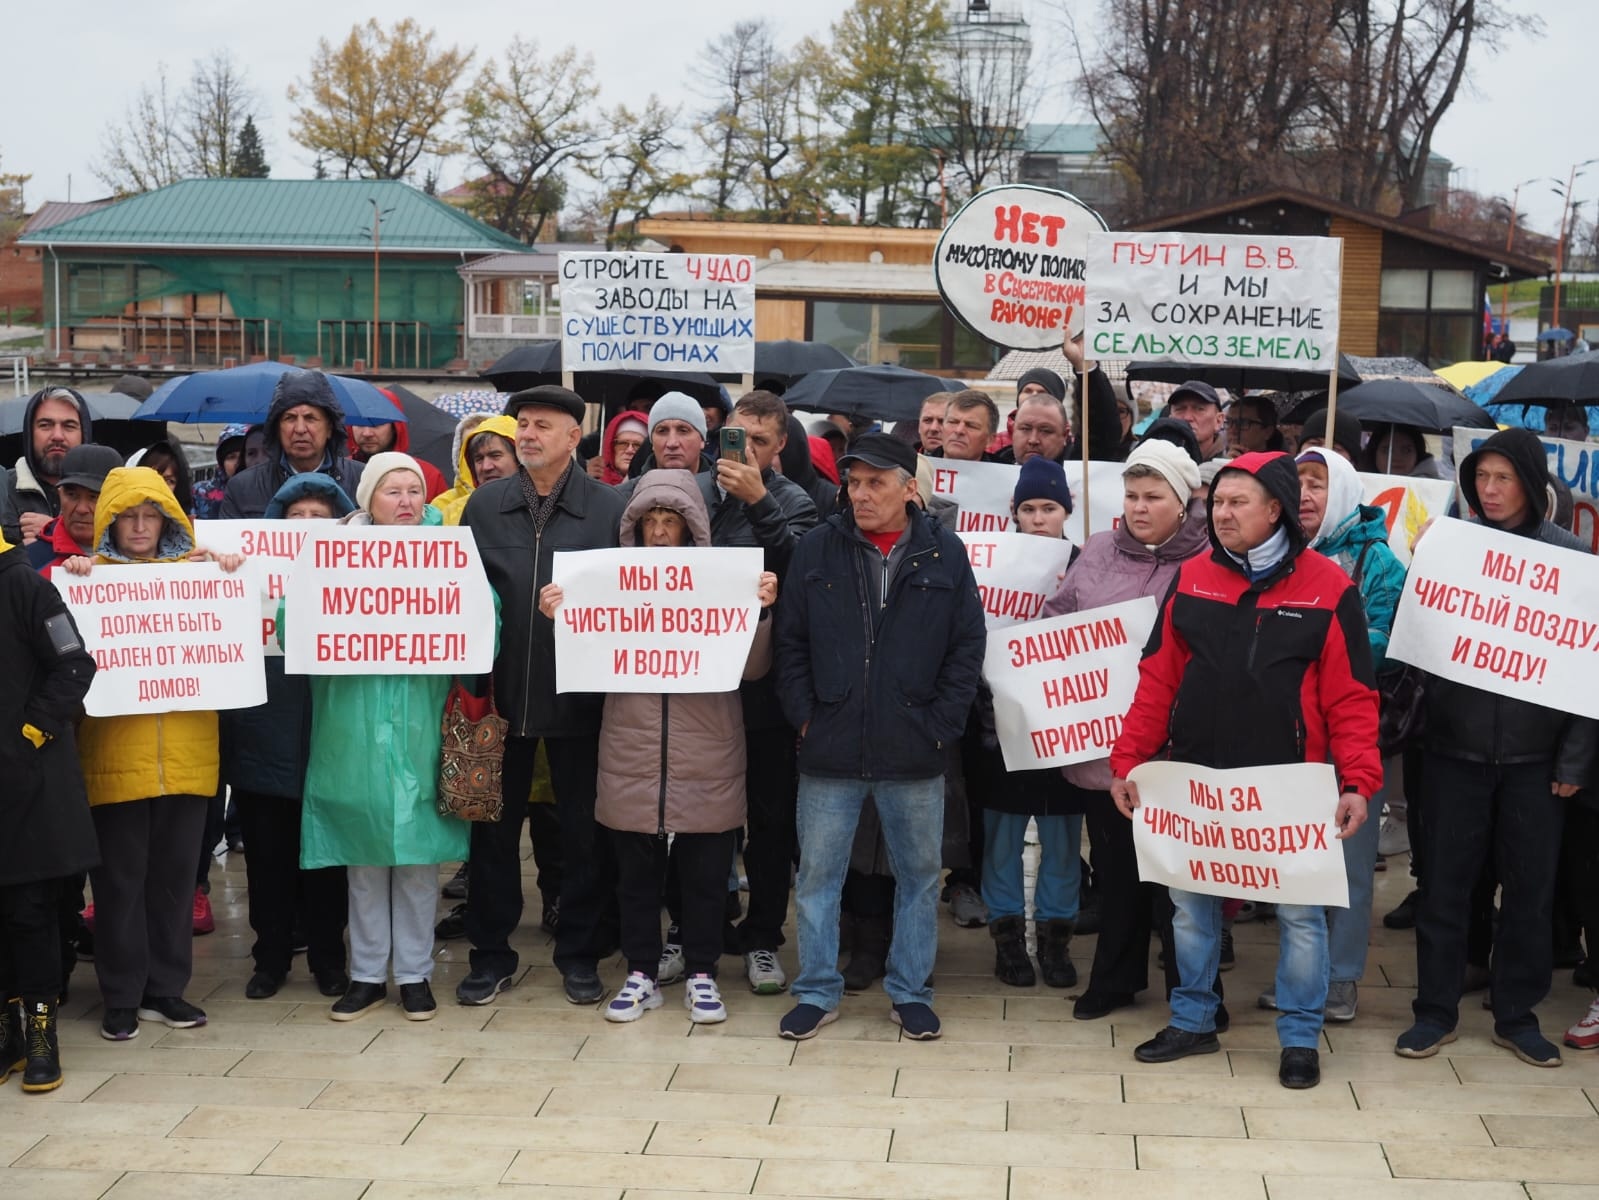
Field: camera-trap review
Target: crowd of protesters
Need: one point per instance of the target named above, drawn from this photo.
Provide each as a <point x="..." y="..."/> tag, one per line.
<point x="860" y="747"/>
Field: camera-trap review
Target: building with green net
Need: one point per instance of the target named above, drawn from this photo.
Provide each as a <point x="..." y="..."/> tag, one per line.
<point x="208" y="271"/>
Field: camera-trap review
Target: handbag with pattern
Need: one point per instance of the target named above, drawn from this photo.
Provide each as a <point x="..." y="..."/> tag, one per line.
<point x="472" y="757"/>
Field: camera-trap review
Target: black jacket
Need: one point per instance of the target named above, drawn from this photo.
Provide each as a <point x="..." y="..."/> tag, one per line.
<point x="44" y="809"/>
<point x="518" y="563"/>
<point x="1482" y="726"/>
<point x="252" y="489"/>
<point x="1104" y="426"/>
<point x="881" y="661"/>
<point x="799" y="466"/>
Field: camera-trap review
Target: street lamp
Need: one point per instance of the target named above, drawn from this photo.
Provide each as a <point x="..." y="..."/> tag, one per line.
<point x="1560" y="245"/>
<point x="374" y="343"/>
<point x="1510" y="240"/>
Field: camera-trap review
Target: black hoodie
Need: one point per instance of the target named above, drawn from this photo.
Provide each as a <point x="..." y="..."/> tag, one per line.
<point x="797" y="465"/>
<point x="251" y="490"/>
<point x="27" y="490"/>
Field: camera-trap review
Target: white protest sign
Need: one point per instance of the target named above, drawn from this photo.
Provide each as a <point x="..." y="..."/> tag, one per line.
<point x="663" y="312"/>
<point x="1010" y="265"/>
<point x="167" y="637"/>
<point x="1063" y="685"/>
<point x="269" y="549"/>
<point x="1245" y="299"/>
<point x="983" y="491"/>
<point x="1016" y="573"/>
<point x="1575" y="464"/>
<point x="1407" y="505"/>
<point x="1262" y="833"/>
<point x="656" y="619"/>
<point x="1502" y="613"/>
<point x="388" y="600"/>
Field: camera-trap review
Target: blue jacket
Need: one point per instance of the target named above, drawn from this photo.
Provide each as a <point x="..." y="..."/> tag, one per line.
<point x="881" y="661"/>
<point x="1381" y="576"/>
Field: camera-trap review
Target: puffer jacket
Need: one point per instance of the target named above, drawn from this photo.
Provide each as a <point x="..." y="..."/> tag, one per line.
<point x="144" y="755"/>
<point x="452" y="504"/>
<point x="675" y="763"/>
<point x="251" y="490"/>
<point x="1355" y="536"/>
<point x="1482" y="726"/>
<point x="1114" y="566"/>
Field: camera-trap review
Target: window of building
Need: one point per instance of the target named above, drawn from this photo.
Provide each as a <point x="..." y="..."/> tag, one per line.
<point x="1431" y="316"/>
<point x="922" y="336"/>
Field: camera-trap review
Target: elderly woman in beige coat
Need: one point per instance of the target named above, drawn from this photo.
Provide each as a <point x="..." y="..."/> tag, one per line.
<point x="672" y="773"/>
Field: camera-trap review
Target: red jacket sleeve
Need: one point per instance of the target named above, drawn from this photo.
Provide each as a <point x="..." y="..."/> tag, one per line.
<point x="1147" y="726"/>
<point x="1347" y="695"/>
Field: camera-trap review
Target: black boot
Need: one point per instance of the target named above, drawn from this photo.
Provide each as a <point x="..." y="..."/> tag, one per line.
<point x="13" y="1046"/>
<point x="1011" y="963"/>
<point x="43" y="1072"/>
<point x="868" y="956"/>
<point x="1054" y="952"/>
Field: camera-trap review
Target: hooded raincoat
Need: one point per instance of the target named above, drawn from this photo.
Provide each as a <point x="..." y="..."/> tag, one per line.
<point x="1355" y="536"/>
<point x="452" y="504"/>
<point x="608" y="444"/>
<point x="251" y="490"/>
<point x="143" y="755"/>
<point x="433" y="481"/>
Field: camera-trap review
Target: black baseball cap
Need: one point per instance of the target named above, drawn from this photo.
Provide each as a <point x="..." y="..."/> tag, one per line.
<point x="1197" y="388"/>
<point x="880" y="450"/>
<point x="86" y="466"/>
<point x="548" y="395"/>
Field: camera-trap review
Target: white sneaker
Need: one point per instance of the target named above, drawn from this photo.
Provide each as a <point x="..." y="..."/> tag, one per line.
<point x="703" y="1001"/>
<point x="638" y="995"/>
<point x="672" y="967"/>
<point x="765" y="974"/>
<point x="1584" y="1035"/>
<point x="1394" y="838"/>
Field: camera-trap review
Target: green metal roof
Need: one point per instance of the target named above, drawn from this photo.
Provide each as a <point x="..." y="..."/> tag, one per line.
<point x="279" y="214"/>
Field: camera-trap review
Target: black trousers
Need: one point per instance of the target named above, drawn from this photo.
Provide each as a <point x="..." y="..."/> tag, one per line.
<point x="144" y="896"/>
<point x="1127" y="907"/>
<point x="973" y="764"/>
<point x="771" y="786"/>
<point x="210" y="835"/>
<point x="1477" y="813"/>
<point x="1579" y="871"/>
<point x="279" y="889"/>
<point x="30" y="941"/>
<point x="588" y="872"/>
<point x="700" y="861"/>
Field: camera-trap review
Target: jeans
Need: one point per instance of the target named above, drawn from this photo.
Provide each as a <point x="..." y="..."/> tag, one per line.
<point x="391" y="917"/>
<point x="1349" y="929"/>
<point x="911" y="812"/>
<point x="1060" y="867"/>
<point x="1301" y="967"/>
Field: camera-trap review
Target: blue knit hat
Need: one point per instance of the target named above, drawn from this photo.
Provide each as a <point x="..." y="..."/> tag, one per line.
<point x="1042" y="479"/>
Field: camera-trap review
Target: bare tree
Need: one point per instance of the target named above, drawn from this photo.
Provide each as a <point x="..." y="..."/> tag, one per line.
<point x="144" y="150"/>
<point x="730" y="66"/>
<point x="640" y="165"/>
<point x="976" y="127"/>
<point x="212" y="114"/>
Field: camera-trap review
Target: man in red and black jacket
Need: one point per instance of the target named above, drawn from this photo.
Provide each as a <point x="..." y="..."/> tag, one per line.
<point x="1260" y="657"/>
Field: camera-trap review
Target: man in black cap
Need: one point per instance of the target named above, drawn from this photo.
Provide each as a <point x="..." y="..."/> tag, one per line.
<point x="880" y="643"/>
<point x="1197" y="405"/>
<point x="83" y="473"/>
<point x="519" y="523"/>
<point x="304" y="432"/>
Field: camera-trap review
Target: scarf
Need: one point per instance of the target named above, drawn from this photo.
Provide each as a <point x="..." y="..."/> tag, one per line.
<point x="1264" y="558"/>
<point x="543" y="507"/>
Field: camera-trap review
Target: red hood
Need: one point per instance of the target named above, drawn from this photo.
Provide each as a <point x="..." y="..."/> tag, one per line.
<point x="402" y="431"/>
<point x="608" y="441"/>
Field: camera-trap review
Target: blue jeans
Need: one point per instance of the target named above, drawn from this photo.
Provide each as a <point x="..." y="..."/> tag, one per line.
<point x="1301" y="967"/>
<point x="1349" y="929"/>
<point x="1060" y="867"/>
<point x="911" y="812"/>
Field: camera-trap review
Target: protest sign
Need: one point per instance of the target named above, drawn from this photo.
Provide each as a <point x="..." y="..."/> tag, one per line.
<point x="1010" y="265"/>
<point x="1016" y="573"/>
<point x="1246" y="299"/>
<point x="1263" y="833"/>
<point x="388" y="600"/>
<point x="1506" y="614"/>
<point x="269" y="549"/>
<point x="1407" y="505"/>
<point x="167" y="637"/>
<point x="1575" y="464"/>
<point x="983" y="491"/>
<point x="655" y="620"/>
<point x="1062" y="685"/>
<point x="664" y="312"/>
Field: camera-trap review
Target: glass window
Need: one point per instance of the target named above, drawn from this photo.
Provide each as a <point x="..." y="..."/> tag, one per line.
<point x="1450" y="338"/>
<point x="907" y="335"/>
<point x="1401" y="335"/>
<point x="1454" y="290"/>
<point x="1404" y="289"/>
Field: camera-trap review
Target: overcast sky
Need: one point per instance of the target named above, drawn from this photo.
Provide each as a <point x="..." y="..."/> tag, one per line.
<point x="73" y="67"/>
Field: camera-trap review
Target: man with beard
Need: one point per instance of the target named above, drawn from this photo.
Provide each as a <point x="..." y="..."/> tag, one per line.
<point x="55" y="420"/>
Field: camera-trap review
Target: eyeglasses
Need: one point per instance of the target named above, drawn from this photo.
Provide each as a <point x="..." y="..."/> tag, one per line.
<point x="1238" y="423"/>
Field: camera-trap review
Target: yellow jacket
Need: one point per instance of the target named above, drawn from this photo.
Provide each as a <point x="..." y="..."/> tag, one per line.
<point x="452" y="504"/>
<point x="149" y="754"/>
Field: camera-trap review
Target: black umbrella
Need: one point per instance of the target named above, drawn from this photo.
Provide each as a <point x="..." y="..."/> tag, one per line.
<point x="431" y="429"/>
<point x="788" y="361"/>
<point x="883" y="393"/>
<point x="526" y="366"/>
<point x="103" y="406"/>
<point x="613" y="389"/>
<point x="1235" y="379"/>
<point x="1435" y="408"/>
<point x="1573" y="379"/>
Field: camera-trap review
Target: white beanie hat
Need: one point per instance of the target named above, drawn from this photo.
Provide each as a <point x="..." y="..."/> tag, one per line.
<point x="376" y="468"/>
<point x="677" y="406"/>
<point x="1173" y="463"/>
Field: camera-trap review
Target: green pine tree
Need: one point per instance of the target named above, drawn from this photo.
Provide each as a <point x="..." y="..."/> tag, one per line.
<point x="249" y="161"/>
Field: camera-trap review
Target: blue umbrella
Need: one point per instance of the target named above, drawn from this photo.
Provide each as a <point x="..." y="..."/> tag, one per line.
<point x="1484" y="392"/>
<point x="244" y="394"/>
<point x="1556" y="334"/>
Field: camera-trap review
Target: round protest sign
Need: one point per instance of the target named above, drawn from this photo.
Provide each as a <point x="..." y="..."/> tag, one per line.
<point x="1011" y="265"/>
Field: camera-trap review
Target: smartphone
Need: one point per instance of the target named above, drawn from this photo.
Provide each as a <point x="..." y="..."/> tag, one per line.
<point x="732" y="442"/>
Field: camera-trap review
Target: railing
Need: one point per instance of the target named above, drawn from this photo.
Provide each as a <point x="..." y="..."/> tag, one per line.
<point x="343" y="343"/>
<point x="514" y="325"/>
<point x="19" y="375"/>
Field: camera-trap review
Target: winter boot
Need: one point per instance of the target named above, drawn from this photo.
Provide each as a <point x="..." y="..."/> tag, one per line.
<point x="43" y="1072"/>
<point x="1054" y="952"/>
<point x="868" y="957"/>
<point x="1011" y="963"/>
<point x="13" y="1046"/>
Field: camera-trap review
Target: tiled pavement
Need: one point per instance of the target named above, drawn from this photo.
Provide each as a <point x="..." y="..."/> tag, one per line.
<point x="533" y="1099"/>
